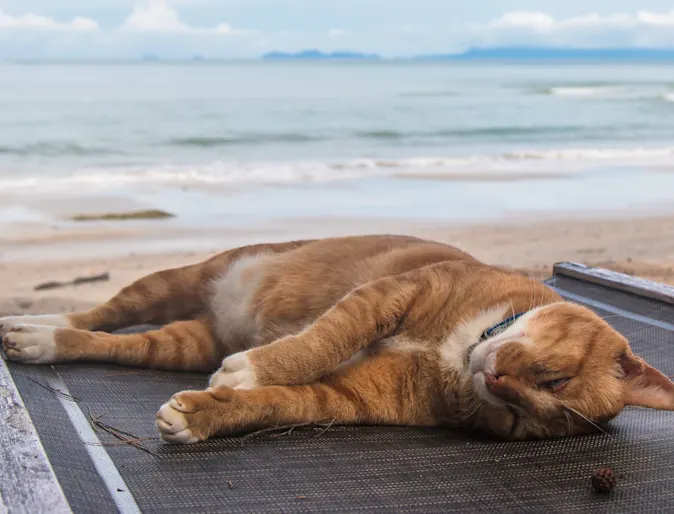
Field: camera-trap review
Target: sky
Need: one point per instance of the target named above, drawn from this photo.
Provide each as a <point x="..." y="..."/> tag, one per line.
<point x="91" y="29"/>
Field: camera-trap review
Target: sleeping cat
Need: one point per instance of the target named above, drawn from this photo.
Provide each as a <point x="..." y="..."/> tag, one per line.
<point x="359" y="330"/>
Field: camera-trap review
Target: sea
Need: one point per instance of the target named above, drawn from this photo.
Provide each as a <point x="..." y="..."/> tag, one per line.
<point x="422" y="140"/>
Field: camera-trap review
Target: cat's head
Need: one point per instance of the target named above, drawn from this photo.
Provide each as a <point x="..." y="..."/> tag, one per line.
<point x="561" y="370"/>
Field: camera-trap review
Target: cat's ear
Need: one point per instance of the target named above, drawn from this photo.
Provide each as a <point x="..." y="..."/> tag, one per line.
<point x="646" y="386"/>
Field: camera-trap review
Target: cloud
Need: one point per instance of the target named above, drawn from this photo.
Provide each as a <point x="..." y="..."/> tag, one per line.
<point x="158" y="16"/>
<point x="35" y="22"/>
<point x="155" y="16"/>
<point x="642" y="29"/>
<point x="336" y="32"/>
<point x="151" y="27"/>
<point x="542" y="21"/>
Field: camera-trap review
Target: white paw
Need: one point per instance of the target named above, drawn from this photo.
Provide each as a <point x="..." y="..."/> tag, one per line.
<point x="236" y="372"/>
<point x="48" y="320"/>
<point x="32" y="344"/>
<point x="172" y="424"/>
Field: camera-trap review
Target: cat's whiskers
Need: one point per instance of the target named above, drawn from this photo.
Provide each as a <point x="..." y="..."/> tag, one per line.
<point x="473" y="400"/>
<point x="472" y="412"/>
<point x="472" y="408"/>
<point x="512" y="308"/>
<point x="540" y="301"/>
<point x="591" y="422"/>
<point x="600" y="319"/>
<point x="542" y="298"/>
<point x="533" y="292"/>
<point x="569" y="420"/>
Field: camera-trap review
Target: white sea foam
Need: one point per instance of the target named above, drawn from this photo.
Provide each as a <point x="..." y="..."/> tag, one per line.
<point x="611" y="92"/>
<point x="566" y="160"/>
<point x="589" y="91"/>
<point x="596" y="154"/>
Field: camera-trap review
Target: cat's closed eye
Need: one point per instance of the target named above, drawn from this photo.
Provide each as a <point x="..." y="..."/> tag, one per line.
<point x="555" y="385"/>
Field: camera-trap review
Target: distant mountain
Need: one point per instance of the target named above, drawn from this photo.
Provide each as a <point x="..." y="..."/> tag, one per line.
<point x="502" y="54"/>
<point x="523" y="53"/>
<point x="318" y="55"/>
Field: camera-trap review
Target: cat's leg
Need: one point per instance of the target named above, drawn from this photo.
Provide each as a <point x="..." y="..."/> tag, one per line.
<point x="383" y="390"/>
<point x="372" y="312"/>
<point x="183" y="345"/>
<point x="159" y="298"/>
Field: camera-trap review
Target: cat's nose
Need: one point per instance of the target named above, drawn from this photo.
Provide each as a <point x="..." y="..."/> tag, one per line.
<point x="503" y="386"/>
<point x="491" y="379"/>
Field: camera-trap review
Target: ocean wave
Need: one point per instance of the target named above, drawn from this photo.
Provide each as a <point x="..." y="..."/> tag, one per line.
<point x="79" y="149"/>
<point x="594" y="154"/>
<point x="205" y="174"/>
<point x="55" y="149"/>
<point x="589" y="91"/>
<point x="382" y="134"/>
<point x="648" y="92"/>
<point x="476" y="132"/>
<point x="668" y="97"/>
<point x="225" y="173"/>
<point x="376" y="135"/>
<point x="428" y="94"/>
<point x="243" y="139"/>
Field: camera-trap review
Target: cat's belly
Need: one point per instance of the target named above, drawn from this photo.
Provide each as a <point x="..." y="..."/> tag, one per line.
<point x="232" y="312"/>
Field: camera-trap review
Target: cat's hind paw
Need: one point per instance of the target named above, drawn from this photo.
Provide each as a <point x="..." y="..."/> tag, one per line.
<point x="7" y="323"/>
<point x="31" y="344"/>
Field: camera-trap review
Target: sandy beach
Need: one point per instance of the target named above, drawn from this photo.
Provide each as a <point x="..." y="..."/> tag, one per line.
<point x="639" y="246"/>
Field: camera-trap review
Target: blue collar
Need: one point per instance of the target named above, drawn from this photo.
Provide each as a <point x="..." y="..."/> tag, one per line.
<point x="497" y="329"/>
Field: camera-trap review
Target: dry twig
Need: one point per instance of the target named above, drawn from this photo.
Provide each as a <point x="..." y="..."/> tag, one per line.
<point x="326" y="428"/>
<point x="122" y="443"/>
<point x="284" y="430"/>
<point x="124" y="437"/>
<point x="56" y="391"/>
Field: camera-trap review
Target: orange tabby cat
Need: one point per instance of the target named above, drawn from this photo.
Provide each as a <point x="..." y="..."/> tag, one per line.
<point x="373" y="330"/>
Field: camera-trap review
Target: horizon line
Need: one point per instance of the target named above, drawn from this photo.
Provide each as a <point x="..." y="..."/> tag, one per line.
<point x="476" y="54"/>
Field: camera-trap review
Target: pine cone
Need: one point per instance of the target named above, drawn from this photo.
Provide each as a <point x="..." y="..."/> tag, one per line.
<point x="603" y="480"/>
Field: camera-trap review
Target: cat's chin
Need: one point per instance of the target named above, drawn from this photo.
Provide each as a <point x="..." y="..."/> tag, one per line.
<point x="483" y="356"/>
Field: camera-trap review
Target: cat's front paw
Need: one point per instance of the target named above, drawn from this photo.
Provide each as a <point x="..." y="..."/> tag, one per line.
<point x="236" y="372"/>
<point x="50" y="320"/>
<point x="31" y="344"/>
<point x="176" y="419"/>
<point x="193" y="416"/>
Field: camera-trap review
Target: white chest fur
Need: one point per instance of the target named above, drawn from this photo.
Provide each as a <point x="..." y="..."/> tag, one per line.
<point x="453" y="349"/>
<point x="232" y="298"/>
